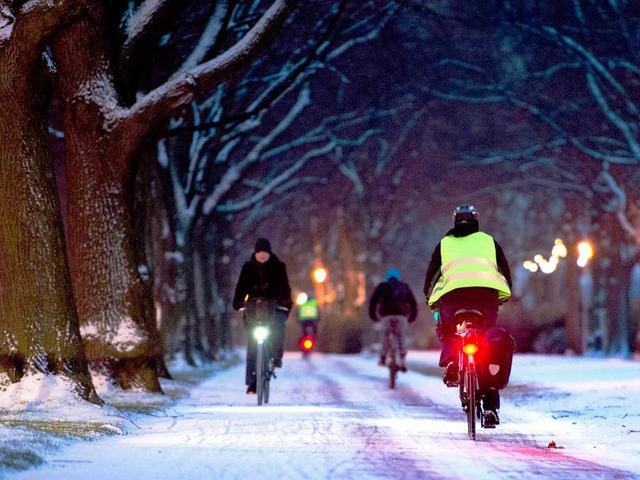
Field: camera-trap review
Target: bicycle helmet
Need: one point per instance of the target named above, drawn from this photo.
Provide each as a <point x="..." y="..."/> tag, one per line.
<point x="465" y="214"/>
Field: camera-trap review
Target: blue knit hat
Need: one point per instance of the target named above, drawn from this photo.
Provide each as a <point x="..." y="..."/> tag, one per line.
<point x="392" y="273"/>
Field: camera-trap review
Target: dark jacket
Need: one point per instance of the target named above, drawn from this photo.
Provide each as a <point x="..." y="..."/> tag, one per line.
<point x="471" y="294"/>
<point x="392" y="298"/>
<point x="264" y="280"/>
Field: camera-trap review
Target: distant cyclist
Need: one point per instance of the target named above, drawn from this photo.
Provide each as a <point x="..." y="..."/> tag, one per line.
<point x="393" y="304"/>
<point x="308" y="314"/>
<point x="471" y="271"/>
<point x="264" y="276"/>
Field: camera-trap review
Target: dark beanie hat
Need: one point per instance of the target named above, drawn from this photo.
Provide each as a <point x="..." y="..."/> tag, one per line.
<point x="263" y="245"/>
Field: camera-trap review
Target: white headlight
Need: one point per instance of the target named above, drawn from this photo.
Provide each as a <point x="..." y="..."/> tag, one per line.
<point x="260" y="333"/>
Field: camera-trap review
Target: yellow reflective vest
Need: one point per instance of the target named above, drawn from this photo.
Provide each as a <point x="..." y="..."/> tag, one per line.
<point x="469" y="261"/>
<point x="308" y="310"/>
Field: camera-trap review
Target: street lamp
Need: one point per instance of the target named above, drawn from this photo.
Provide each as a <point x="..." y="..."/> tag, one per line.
<point x="319" y="274"/>
<point x="301" y="298"/>
<point x="585" y="253"/>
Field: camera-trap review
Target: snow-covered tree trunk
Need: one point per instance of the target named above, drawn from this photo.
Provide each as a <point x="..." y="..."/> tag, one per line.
<point x="39" y="332"/>
<point x="120" y="342"/>
<point x="103" y="139"/>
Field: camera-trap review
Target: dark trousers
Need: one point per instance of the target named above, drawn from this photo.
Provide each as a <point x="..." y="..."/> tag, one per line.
<point x="446" y="331"/>
<point x="311" y="325"/>
<point x="394" y="324"/>
<point x="275" y="342"/>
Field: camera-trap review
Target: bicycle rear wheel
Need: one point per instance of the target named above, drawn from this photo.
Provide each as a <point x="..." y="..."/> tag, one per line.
<point x="471" y="383"/>
<point x="393" y="374"/>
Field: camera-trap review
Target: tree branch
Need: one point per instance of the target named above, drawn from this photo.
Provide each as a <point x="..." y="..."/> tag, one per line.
<point x="37" y="21"/>
<point x="619" y="206"/>
<point x="157" y="105"/>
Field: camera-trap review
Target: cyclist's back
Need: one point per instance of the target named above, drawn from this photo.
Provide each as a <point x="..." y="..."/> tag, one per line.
<point x="468" y="269"/>
<point x="393" y="304"/>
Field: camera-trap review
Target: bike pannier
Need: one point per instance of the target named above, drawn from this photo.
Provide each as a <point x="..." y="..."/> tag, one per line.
<point x="496" y="356"/>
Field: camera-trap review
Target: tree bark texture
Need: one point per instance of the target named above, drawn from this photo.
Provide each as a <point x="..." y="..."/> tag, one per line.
<point x="121" y="342"/>
<point x="39" y="330"/>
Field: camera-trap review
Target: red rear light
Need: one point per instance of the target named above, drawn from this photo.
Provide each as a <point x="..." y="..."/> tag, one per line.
<point x="470" y="348"/>
<point x="307" y="343"/>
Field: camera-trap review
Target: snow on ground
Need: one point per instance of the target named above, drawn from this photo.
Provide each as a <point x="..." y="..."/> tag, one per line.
<point x="333" y="417"/>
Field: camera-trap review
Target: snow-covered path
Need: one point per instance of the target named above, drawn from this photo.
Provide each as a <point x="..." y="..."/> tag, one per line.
<point x="332" y="417"/>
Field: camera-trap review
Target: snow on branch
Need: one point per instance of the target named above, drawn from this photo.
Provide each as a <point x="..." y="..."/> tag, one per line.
<point x="7" y="19"/>
<point x="208" y="37"/>
<point x="38" y="20"/>
<point x="155" y="106"/>
<point x="619" y="203"/>
<point x="625" y="129"/>
<point x="388" y="12"/>
<point x="142" y="20"/>
<point x="276" y="182"/>
<point x="235" y="171"/>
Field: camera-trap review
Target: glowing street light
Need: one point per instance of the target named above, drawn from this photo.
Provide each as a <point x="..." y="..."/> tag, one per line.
<point x="319" y="274"/>
<point x="559" y="249"/>
<point x="301" y="298"/>
<point x="585" y="253"/>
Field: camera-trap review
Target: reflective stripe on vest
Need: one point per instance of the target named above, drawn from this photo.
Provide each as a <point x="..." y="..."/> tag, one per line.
<point x="469" y="262"/>
<point x="308" y="310"/>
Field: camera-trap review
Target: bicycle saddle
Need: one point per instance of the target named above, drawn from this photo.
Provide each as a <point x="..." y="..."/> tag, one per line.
<point x="467" y="315"/>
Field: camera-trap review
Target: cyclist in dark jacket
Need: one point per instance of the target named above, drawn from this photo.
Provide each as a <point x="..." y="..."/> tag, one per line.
<point x="264" y="276"/>
<point x="393" y="304"/>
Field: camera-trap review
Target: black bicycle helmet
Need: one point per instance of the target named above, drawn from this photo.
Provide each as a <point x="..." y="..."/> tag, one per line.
<point x="465" y="214"/>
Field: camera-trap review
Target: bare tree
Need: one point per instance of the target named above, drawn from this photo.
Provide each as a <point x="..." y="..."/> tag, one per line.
<point x="573" y="73"/>
<point x="251" y="141"/>
<point x="103" y="137"/>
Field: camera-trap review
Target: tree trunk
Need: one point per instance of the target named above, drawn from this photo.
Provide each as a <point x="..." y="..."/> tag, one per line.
<point x="121" y="343"/>
<point x="39" y="331"/>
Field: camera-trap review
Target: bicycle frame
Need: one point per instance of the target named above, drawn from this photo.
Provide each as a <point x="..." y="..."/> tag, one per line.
<point x="262" y="313"/>
<point x="393" y="361"/>
<point x="393" y="357"/>
<point x="468" y="375"/>
<point x="264" y="362"/>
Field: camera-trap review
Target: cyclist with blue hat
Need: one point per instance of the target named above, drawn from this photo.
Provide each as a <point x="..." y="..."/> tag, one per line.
<point x="392" y="304"/>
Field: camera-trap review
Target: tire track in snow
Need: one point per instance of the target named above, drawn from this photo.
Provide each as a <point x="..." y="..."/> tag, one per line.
<point x="502" y="453"/>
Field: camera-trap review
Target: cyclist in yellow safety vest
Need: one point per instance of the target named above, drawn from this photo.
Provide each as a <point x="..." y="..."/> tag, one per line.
<point x="468" y="269"/>
<point x="309" y="316"/>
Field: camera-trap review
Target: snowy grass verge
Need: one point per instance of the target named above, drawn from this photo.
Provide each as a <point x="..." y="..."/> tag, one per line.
<point x="40" y="415"/>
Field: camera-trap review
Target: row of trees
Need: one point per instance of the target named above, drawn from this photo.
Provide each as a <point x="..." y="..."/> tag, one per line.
<point x="134" y="135"/>
<point x="143" y="142"/>
<point x="55" y="287"/>
<point x="530" y="112"/>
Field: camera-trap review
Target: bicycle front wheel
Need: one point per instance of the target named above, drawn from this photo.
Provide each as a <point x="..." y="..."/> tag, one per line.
<point x="471" y="383"/>
<point x="260" y="373"/>
<point x="267" y="365"/>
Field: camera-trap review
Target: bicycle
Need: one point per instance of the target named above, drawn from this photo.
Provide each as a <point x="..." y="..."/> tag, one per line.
<point x="261" y="312"/>
<point x="264" y="363"/>
<point x="393" y="358"/>
<point x="466" y="321"/>
<point x="307" y="341"/>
